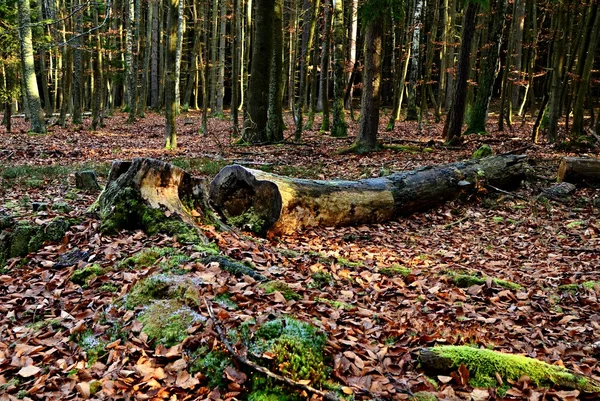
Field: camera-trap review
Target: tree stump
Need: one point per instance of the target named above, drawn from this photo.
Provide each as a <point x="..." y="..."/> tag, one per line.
<point x="580" y="170"/>
<point x="86" y="180"/>
<point x="154" y="196"/>
<point x="268" y="203"/>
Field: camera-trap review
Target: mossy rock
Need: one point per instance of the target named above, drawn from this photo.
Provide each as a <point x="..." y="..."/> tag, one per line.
<point x="167" y="321"/>
<point x="144" y="258"/>
<point x="164" y="287"/>
<point x="483" y="366"/>
<point x="236" y="268"/>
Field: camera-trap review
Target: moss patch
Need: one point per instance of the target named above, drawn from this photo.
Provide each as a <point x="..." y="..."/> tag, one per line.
<point x="395" y="270"/>
<point x="92" y="345"/>
<point x="483" y="151"/>
<point x="467" y="280"/>
<point x="143" y="258"/>
<point x="236" y="268"/>
<point x="320" y="280"/>
<point x="212" y="364"/>
<point x="83" y="276"/>
<point x="424" y="396"/>
<point x="334" y="304"/>
<point x="167" y="321"/>
<point x="162" y="287"/>
<point x="483" y="365"/>
<point x="285" y="290"/>
<point x="575" y="288"/>
<point x="249" y="220"/>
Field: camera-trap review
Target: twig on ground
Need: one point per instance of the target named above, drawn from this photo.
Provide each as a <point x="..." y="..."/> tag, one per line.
<point x="507" y="193"/>
<point x="327" y="396"/>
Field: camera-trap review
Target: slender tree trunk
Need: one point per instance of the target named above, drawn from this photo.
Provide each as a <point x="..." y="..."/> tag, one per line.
<point x="369" y="111"/>
<point x="443" y="58"/>
<point x="453" y="125"/>
<point x="154" y="82"/>
<point x="77" y="71"/>
<point x="517" y="56"/>
<point x="308" y="35"/>
<point x="450" y="70"/>
<point x="415" y="70"/>
<point x="38" y="124"/>
<point x="141" y="109"/>
<point x="130" y="37"/>
<point x="48" y="107"/>
<point x="221" y="70"/>
<point x="178" y="52"/>
<point x="431" y="47"/>
<point x="275" y="120"/>
<point x="213" y="56"/>
<point x="339" y="127"/>
<point x="489" y="68"/>
<point x="98" y="90"/>
<point x="236" y="28"/>
<point x="558" y="64"/>
<point x="352" y="49"/>
<point x="323" y="87"/>
<point x="170" y="99"/>
<point x="588" y="62"/>
<point x="255" y="126"/>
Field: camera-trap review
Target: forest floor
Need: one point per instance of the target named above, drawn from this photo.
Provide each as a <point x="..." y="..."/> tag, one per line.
<point x="380" y="292"/>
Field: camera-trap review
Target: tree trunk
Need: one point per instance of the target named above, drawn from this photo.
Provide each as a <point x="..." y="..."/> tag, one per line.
<point x="558" y="66"/>
<point x="578" y="170"/>
<point x="255" y="127"/>
<point x="138" y="193"/>
<point x="588" y="62"/>
<point x="352" y="49"/>
<point x="323" y="103"/>
<point x="412" y="112"/>
<point x="275" y="125"/>
<point x="453" y="126"/>
<point x="236" y="22"/>
<point x="38" y="124"/>
<point x="489" y="69"/>
<point x="170" y="99"/>
<point x="221" y="69"/>
<point x="130" y="37"/>
<point x="178" y="52"/>
<point x="369" y="111"/>
<point x="98" y="89"/>
<point x="517" y="56"/>
<point x="339" y="129"/>
<point x="143" y="100"/>
<point x="282" y="205"/>
<point x="154" y="82"/>
<point x="213" y="56"/>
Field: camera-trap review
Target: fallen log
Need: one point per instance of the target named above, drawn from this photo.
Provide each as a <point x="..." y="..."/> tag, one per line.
<point x="491" y="368"/>
<point x="265" y="202"/>
<point x="154" y="196"/>
<point x="579" y="170"/>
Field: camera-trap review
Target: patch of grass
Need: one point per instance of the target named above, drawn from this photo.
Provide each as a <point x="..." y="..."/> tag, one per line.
<point x="285" y="290"/>
<point x="395" y="270"/>
<point x="575" y="224"/>
<point x="575" y="288"/>
<point x="345" y="262"/>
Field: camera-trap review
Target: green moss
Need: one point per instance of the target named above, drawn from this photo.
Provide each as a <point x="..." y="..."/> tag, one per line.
<point x="403" y="148"/>
<point x="93" y="347"/>
<point x="225" y="301"/>
<point x="272" y="395"/>
<point x="14" y="382"/>
<point x="483" y="365"/>
<point x="212" y="364"/>
<point x="575" y="288"/>
<point x="236" y="268"/>
<point x="424" y="396"/>
<point x="164" y="286"/>
<point x="174" y="264"/>
<point x="95" y="386"/>
<point x="249" y="220"/>
<point x="167" y="321"/>
<point x="83" y="276"/>
<point x="591" y="285"/>
<point x="143" y="258"/>
<point x="61" y="207"/>
<point x="320" y="280"/>
<point x="201" y="165"/>
<point x="345" y="262"/>
<point x="109" y="288"/>
<point x="297" y="346"/>
<point x="335" y="304"/>
<point x="395" y="270"/>
<point x="285" y="290"/>
<point x="483" y="151"/>
<point x="468" y="280"/>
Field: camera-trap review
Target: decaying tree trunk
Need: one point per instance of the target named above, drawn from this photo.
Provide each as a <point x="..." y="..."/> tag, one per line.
<point x="155" y="196"/>
<point x="579" y="170"/>
<point x="267" y="202"/>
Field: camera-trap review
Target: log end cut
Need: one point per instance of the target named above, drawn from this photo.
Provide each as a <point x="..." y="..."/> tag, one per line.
<point x="580" y="170"/>
<point x="245" y="201"/>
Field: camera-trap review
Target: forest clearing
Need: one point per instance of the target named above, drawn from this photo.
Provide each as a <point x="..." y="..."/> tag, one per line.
<point x="294" y="200"/>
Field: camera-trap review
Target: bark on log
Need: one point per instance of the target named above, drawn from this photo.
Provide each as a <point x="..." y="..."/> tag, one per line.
<point x="155" y="196"/>
<point x="579" y="170"/>
<point x="270" y="203"/>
